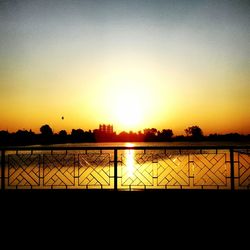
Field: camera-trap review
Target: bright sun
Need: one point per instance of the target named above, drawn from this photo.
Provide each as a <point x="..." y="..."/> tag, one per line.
<point x="127" y="102"/>
<point x="129" y="112"/>
<point x="130" y="108"/>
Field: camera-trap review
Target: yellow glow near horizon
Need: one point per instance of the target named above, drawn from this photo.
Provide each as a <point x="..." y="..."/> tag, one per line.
<point x="125" y="96"/>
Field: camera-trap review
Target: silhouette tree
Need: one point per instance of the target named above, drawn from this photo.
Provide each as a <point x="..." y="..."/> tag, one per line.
<point x="46" y="130"/>
<point x="63" y="133"/>
<point x="77" y="135"/>
<point x="167" y="133"/>
<point x="195" y="132"/>
<point x="150" y="134"/>
<point x="4" y="137"/>
<point x="61" y="137"/>
<point x="24" y="137"/>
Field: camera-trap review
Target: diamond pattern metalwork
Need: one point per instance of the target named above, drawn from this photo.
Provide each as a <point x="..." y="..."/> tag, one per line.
<point x="137" y="170"/>
<point x="244" y="170"/>
<point x="210" y="169"/>
<point x="23" y="170"/>
<point x="173" y="170"/>
<point x="94" y="170"/>
<point x="59" y="170"/>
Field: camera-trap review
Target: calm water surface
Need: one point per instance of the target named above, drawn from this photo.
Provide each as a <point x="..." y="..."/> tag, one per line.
<point x="118" y="144"/>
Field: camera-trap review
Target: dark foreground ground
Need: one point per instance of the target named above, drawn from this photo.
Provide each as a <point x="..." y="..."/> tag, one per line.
<point x="116" y="200"/>
<point x="124" y="217"/>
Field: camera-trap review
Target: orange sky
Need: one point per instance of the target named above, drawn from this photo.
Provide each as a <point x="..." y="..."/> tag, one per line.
<point x="133" y="64"/>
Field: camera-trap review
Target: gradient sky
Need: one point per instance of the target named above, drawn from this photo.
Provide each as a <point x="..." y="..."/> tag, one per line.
<point x="132" y="63"/>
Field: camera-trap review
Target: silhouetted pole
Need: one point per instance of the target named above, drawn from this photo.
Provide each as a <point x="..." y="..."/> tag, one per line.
<point x="115" y="169"/>
<point x="3" y="169"/>
<point x="232" y="167"/>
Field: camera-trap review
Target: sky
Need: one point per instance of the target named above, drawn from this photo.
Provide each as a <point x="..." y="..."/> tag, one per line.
<point x="132" y="63"/>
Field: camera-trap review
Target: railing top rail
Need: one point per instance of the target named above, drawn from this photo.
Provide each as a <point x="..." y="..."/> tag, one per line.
<point x="191" y="147"/>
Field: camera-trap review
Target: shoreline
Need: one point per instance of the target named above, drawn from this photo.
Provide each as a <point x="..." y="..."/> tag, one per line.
<point x="132" y="144"/>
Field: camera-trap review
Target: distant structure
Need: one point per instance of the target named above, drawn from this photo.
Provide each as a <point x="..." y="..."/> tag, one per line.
<point x="108" y="129"/>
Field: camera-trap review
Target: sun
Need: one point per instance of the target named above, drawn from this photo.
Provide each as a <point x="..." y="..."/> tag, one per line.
<point x="129" y="112"/>
<point x="130" y="109"/>
<point x="126" y="102"/>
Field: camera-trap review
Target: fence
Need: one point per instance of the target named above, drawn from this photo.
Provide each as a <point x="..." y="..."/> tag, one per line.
<point x="125" y="168"/>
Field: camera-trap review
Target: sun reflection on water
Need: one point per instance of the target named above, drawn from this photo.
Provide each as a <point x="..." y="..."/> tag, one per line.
<point x="130" y="159"/>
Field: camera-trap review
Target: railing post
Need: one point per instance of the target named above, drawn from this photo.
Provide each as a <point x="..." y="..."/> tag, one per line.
<point x="232" y="167"/>
<point x="3" y="169"/>
<point x="115" y="169"/>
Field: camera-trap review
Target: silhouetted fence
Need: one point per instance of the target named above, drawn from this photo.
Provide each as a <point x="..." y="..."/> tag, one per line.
<point x="125" y="168"/>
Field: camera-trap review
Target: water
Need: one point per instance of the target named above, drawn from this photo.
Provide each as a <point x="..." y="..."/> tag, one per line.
<point x="147" y="144"/>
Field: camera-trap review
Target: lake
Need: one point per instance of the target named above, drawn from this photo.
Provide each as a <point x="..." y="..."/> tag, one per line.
<point x="118" y="144"/>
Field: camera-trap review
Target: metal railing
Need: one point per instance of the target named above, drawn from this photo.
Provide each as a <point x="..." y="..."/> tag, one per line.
<point x="126" y="168"/>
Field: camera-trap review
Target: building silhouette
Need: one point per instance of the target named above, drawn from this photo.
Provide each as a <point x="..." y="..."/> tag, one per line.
<point x="108" y="129"/>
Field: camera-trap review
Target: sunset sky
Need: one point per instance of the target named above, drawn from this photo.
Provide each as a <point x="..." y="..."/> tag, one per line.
<point x="131" y="63"/>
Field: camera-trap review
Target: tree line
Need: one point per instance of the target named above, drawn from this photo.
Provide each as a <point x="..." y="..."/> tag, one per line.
<point x="47" y="136"/>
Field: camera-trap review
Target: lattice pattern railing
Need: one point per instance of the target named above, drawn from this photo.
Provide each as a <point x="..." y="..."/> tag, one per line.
<point x="210" y="170"/>
<point x="173" y="171"/>
<point x="58" y="170"/>
<point x="63" y="170"/>
<point x="23" y="170"/>
<point x="94" y="170"/>
<point x="188" y="170"/>
<point x="125" y="168"/>
<point x="244" y="170"/>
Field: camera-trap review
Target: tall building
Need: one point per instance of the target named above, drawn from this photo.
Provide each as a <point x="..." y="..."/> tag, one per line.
<point x="108" y="129"/>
